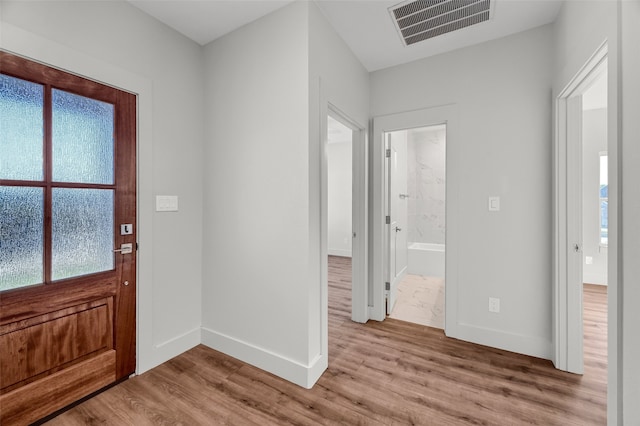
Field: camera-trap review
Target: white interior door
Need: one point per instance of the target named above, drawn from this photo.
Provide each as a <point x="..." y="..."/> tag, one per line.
<point x="397" y="212"/>
<point x="575" y="356"/>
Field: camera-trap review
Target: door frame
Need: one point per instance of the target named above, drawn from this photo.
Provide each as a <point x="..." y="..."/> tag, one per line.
<point x="392" y="277"/>
<point x="446" y="114"/>
<point x="567" y="219"/>
<point x="359" y="212"/>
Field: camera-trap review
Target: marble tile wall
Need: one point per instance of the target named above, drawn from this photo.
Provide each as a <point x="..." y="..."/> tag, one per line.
<point x="426" y="149"/>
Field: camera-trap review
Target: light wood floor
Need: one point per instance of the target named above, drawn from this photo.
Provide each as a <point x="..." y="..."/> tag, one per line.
<point x="389" y="373"/>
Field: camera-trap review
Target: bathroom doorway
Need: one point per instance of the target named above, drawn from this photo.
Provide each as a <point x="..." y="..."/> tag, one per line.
<point x="417" y="127"/>
<point x="416" y="197"/>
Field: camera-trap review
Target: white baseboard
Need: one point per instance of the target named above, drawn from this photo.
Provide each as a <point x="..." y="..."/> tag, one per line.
<point x="594" y="279"/>
<point x="293" y="371"/>
<point x="518" y="343"/>
<point x="171" y="348"/>
<point x="339" y="252"/>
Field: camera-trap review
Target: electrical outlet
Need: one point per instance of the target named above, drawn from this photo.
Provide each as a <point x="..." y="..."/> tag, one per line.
<point x="494" y="305"/>
<point x="588" y="260"/>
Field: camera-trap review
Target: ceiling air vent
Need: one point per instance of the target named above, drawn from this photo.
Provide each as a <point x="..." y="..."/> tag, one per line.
<point x="418" y="20"/>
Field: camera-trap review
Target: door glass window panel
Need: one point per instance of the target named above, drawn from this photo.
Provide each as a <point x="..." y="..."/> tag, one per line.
<point x="82" y="139"/>
<point x="21" y="236"/>
<point x="21" y="121"/>
<point x="82" y="232"/>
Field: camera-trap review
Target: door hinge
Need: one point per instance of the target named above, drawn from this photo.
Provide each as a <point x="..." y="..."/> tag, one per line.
<point x="387" y="153"/>
<point x="387" y="220"/>
<point x="136" y="246"/>
<point x="387" y="286"/>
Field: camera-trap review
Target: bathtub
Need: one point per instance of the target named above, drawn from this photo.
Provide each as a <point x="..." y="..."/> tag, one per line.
<point x="426" y="259"/>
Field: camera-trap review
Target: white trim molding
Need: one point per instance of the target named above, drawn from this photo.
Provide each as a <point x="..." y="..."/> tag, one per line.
<point x="291" y="370"/>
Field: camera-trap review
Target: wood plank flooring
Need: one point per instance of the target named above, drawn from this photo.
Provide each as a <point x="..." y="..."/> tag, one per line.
<point x="389" y="373"/>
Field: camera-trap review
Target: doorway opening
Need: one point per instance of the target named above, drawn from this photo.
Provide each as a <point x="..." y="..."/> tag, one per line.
<point x="430" y="121"/>
<point x="581" y="240"/>
<point x="339" y="154"/>
<point x="595" y="223"/>
<point x="416" y="200"/>
<point x="344" y="218"/>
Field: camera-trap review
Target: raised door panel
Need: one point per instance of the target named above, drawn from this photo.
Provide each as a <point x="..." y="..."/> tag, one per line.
<point x="32" y="349"/>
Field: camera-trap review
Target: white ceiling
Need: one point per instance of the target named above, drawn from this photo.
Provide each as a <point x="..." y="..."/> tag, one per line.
<point x="365" y="25"/>
<point x="205" y="20"/>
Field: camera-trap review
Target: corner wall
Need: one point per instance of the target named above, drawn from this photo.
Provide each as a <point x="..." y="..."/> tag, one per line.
<point x="255" y="294"/>
<point x="264" y="299"/>
<point x="336" y="79"/>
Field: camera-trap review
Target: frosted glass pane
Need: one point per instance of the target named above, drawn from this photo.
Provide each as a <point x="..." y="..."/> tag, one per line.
<point x="21" y="236"/>
<point x="82" y="139"/>
<point x="21" y="129"/>
<point x="82" y="232"/>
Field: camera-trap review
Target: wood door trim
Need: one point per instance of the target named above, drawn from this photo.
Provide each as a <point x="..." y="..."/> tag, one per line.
<point x="29" y="70"/>
<point x="60" y="389"/>
<point x="125" y="309"/>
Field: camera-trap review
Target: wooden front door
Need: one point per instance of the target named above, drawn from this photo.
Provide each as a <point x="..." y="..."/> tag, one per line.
<point x="67" y="184"/>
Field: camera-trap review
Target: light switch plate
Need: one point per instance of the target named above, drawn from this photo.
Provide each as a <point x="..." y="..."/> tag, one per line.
<point x="166" y="203"/>
<point x="494" y="204"/>
<point x="494" y="305"/>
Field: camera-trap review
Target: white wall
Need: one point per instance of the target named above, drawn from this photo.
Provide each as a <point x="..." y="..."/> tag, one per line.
<point x="580" y="29"/>
<point x="263" y="298"/>
<point x="502" y="91"/>
<point x="629" y="349"/>
<point x="118" y="44"/>
<point x="256" y="188"/>
<point x="336" y="77"/>
<point x="594" y="141"/>
<point x="339" y="198"/>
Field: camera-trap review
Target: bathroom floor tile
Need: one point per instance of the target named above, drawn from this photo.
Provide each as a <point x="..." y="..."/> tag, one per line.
<point x="420" y="301"/>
